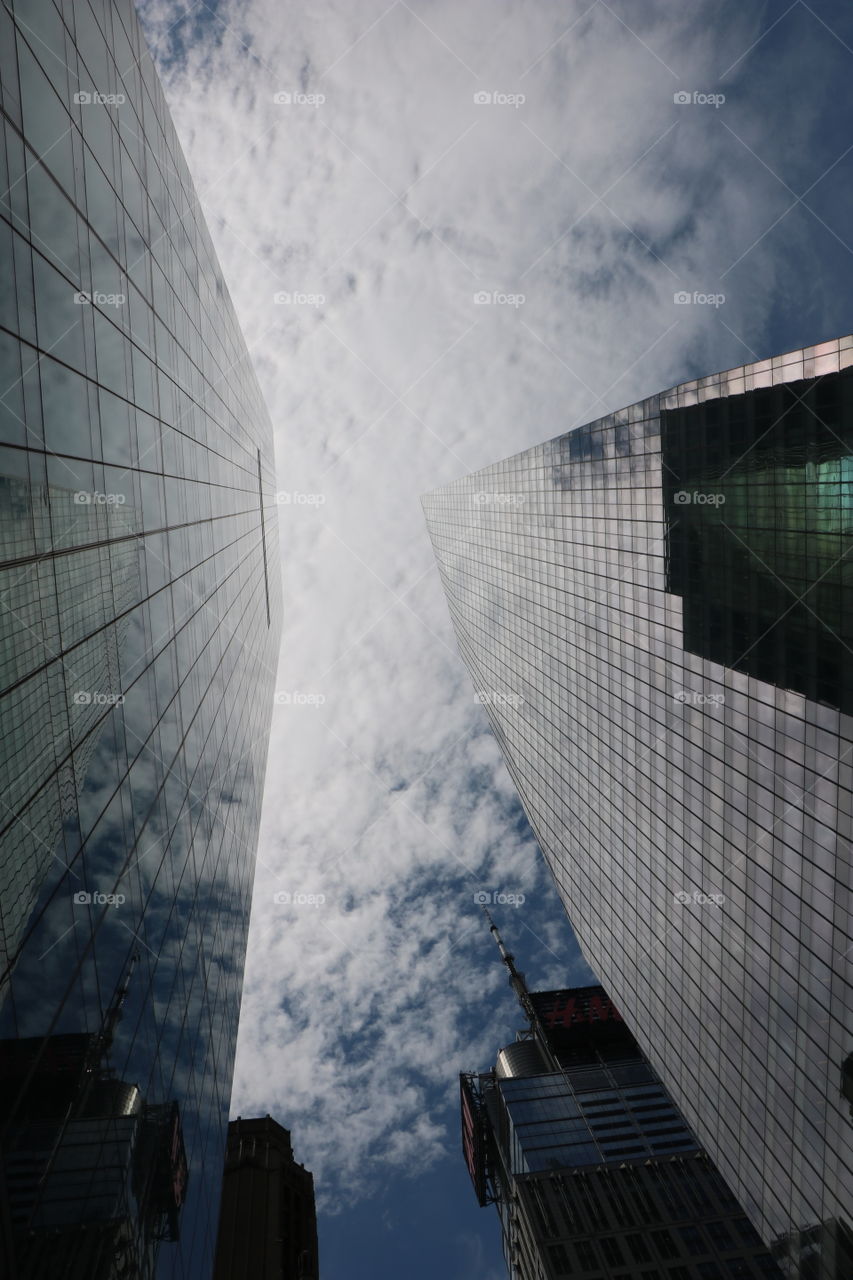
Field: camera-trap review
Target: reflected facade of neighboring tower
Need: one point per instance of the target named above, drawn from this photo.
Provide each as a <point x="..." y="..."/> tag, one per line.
<point x="94" y="1176"/>
<point x="656" y="610"/>
<point x="140" y="618"/>
<point x="38" y="797"/>
<point x="268" y="1222"/>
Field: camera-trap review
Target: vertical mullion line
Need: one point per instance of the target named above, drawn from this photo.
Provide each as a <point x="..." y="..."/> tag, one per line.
<point x="263" y="539"/>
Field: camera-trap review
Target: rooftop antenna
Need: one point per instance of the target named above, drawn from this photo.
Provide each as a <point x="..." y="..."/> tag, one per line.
<point x="103" y="1038"/>
<point x="519" y="986"/>
<point x="113" y="1015"/>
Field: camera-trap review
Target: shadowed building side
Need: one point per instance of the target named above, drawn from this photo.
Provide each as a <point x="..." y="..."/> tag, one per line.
<point x="267" y="1223"/>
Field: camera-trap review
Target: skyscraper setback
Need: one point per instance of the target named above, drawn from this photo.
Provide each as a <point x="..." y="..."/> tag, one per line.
<point x="140" y="615"/>
<point x="656" y="612"/>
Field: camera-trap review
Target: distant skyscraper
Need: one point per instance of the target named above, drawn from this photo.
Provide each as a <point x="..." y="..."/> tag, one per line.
<point x="593" y="1170"/>
<point x="139" y="632"/>
<point x="657" y="612"/>
<point x="267" y="1225"/>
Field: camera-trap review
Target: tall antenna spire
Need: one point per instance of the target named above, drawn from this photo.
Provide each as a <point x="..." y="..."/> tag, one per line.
<point x="519" y="986"/>
<point x="516" y="979"/>
<point x="102" y="1040"/>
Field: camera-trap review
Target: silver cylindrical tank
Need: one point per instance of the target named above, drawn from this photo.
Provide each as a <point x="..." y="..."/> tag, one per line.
<point x="524" y="1058"/>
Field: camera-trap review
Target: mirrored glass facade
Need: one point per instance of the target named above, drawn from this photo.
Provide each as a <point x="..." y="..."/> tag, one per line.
<point x="655" y="611"/>
<point x="140" y="616"/>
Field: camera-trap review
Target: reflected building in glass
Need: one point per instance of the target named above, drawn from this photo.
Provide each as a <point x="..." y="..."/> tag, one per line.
<point x="94" y="1176"/>
<point x="140" y="616"/>
<point x="656" y="610"/>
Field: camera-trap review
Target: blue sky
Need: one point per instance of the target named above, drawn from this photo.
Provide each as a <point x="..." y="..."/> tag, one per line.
<point x="379" y="196"/>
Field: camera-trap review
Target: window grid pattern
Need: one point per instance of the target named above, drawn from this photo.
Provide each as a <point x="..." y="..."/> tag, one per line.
<point x="555" y="1121"/>
<point x="140" y="614"/>
<point x="648" y="771"/>
<point x="677" y="1218"/>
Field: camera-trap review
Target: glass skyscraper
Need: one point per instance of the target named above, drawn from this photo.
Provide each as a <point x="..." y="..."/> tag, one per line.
<point x="656" y="610"/>
<point x="140" y="613"/>
<point x="594" y="1172"/>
